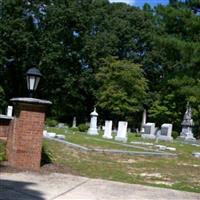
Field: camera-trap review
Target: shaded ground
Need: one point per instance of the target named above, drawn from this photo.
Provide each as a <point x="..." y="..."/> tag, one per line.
<point x="45" y="169"/>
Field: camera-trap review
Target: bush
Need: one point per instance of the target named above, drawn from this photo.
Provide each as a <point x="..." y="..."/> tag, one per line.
<point x="138" y="135"/>
<point x="46" y="156"/>
<point x="51" y="122"/>
<point x="83" y="127"/>
<point x="74" y="129"/>
<point x="2" y="151"/>
<point x="174" y="134"/>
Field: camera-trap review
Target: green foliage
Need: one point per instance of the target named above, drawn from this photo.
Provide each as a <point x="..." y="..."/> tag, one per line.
<point x="2" y="99"/>
<point x="175" y="134"/>
<point x="51" y="122"/>
<point x="74" y="129"/>
<point x="122" y="87"/>
<point x="2" y="151"/>
<point x="46" y="155"/>
<point x="83" y="127"/>
<point x="69" y="39"/>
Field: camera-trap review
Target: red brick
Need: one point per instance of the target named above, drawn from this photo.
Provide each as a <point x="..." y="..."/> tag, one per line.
<point x="25" y="137"/>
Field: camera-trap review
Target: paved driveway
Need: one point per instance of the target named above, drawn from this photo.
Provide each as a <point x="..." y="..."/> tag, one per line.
<point x="33" y="186"/>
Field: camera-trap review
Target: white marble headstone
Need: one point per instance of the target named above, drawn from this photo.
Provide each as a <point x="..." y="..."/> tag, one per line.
<point x="166" y="132"/>
<point x="93" y="123"/>
<point x="144" y="117"/>
<point x="74" y="122"/>
<point x="122" y="131"/>
<point x="9" y="111"/>
<point x="108" y="130"/>
<point x="149" y="131"/>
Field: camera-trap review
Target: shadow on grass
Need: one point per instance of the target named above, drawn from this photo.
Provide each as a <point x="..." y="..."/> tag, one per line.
<point x="18" y="190"/>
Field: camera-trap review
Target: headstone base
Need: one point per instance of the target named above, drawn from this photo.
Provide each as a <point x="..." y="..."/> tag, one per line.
<point x="188" y="137"/>
<point x="107" y="137"/>
<point x="148" y="136"/>
<point x="142" y="131"/>
<point x="121" y="139"/>
<point x="92" y="131"/>
<point x="165" y="138"/>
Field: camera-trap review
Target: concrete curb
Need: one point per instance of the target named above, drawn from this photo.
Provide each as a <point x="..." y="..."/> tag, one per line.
<point x="112" y="151"/>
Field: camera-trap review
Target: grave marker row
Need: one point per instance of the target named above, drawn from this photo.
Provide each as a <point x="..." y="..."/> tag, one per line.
<point x="121" y="131"/>
<point x="163" y="134"/>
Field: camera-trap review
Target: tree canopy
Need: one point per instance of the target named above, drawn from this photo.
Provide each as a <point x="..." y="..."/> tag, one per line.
<point x="116" y="56"/>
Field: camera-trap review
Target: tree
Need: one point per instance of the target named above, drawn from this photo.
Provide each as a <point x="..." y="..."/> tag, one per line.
<point x="173" y="64"/>
<point x="122" y="88"/>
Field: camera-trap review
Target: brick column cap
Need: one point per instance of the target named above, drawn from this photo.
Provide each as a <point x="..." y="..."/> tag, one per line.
<point x="31" y="101"/>
<point x="6" y="117"/>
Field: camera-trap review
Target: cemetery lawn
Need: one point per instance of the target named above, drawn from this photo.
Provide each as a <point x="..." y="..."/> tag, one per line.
<point x="181" y="172"/>
<point x="92" y="141"/>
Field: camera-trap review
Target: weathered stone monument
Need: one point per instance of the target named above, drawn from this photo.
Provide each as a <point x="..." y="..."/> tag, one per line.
<point x="149" y="131"/>
<point x="108" y="130"/>
<point x="122" y="131"/>
<point x="165" y="132"/>
<point x="74" y="122"/>
<point x="93" y="123"/>
<point x="144" y="117"/>
<point x="187" y="125"/>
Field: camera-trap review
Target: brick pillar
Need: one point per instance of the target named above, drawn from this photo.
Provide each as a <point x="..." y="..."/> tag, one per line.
<point x="25" y="140"/>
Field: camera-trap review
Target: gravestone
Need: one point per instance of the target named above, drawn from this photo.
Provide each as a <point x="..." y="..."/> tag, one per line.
<point x="122" y="131"/>
<point x="9" y="111"/>
<point x="108" y="130"/>
<point x="187" y="125"/>
<point x="61" y="137"/>
<point x="144" y="117"/>
<point x="74" y="123"/>
<point x="45" y="133"/>
<point x="149" y="131"/>
<point x="196" y="154"/>
<point x="165" y="133"/>
<point x="93" y="123"/>
<point x="50" y="134"/>
<point x="61" y="125"/>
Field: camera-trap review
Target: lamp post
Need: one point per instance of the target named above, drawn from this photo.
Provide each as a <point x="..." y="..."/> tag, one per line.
<point x="24" y="143"/>
<point x="33" y="76"/>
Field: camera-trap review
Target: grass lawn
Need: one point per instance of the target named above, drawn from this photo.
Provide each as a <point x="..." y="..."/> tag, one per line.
<point x="181" y="172"/>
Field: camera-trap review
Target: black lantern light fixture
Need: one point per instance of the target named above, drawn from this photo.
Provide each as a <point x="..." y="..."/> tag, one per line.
<point x="33" y="76"/>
